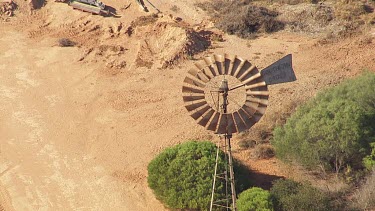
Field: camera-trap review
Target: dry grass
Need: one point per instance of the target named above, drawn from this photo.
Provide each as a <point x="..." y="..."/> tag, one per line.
<point x="246" y="144"/>
<point x="144" y="20"/>
<point x="174" y="8"/>
<point x="263" y="151"/>
<point x="295" y="2"/>
<point x="365" y="196"/>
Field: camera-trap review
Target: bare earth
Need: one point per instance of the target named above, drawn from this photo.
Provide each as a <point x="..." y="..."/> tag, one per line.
<point x="77" y="133"/>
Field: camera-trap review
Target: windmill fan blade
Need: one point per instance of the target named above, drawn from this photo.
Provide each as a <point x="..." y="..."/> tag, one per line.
<point x="200" y="112"/>
<point x="186" y="89"/>
<point x="257" y="100"/>
<point x="247" y="73"/>
<point x="213" y="122"/>
<point x="239" y="122"/>
<point x="210" y="66"/>
<point x="256" y="85"/>
<point x="235" y="64"/>
<point x="264" y="93"/>
<point x="228" y="63"/>
<point x="248" y="119"/>
<point x="226" y="124"/>
<point x="194" y="82"/>
<point x="231" y="127"/>
<point x="239" y="67"/>
<point x="206" y="117"/>
<point x="193" y="98"/>
<point x="193" y="106"/>
<point x="219" y="64"/>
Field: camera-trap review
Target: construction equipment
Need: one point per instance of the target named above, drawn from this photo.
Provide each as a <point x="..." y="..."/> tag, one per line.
<point x="91" y="6"/>
<point x="93" y="3"/>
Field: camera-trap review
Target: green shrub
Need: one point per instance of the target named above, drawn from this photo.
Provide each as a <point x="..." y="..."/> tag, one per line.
<point x="293" y="196"/>
<point x="332" y="131"/>
<point x="181" y="176"/>
<point x="254" y="199"/>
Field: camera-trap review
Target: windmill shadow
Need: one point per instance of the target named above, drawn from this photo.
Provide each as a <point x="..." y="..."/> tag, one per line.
<point x="262" y="180"/>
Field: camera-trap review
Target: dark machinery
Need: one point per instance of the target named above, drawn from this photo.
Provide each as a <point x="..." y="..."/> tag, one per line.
<point x="93" y="3"/>
<point x="91" y="6"/>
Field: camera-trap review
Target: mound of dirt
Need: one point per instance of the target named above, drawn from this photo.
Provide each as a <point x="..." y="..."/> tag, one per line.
<point x="166" y="42"/>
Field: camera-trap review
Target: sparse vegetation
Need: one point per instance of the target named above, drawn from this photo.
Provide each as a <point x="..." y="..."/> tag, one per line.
<point x="144" y="21"/>
<point x="333" y="131"/>
<point x="288" y="195"/>
<point x="247" y="18"/>
<point x="263" y="151"/>
<point x="254" y="199"/>
<point x="242" y="18"/>
<point x="174" y="8"/>
<point x="65" y="42"/>
<point x="365" y="196"/>
<point x="246" y="144"/>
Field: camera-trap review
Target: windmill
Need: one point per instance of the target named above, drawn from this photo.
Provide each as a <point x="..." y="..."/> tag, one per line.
<point x="227" y="94"/>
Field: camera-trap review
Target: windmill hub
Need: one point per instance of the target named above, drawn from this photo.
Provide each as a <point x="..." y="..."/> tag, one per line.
<point x="224" y="86"/>
<point x="220" y="85"/>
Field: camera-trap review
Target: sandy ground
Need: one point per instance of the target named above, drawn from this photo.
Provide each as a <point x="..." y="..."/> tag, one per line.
<point x="77" y="135"/>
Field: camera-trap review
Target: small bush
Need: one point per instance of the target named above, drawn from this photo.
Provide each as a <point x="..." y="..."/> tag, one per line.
<point x="293" y="196"/>
<point x="65" y="42"/>
<point x="263" y="152"/>
<point x="246" y="144"/>
<point x="181" y="176"/>
<point x="254" y="199"/>
<point x="174" y="8"/>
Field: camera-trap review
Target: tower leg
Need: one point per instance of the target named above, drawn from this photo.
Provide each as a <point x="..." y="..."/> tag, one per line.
<point x="213" y="185"/>
<point x="231" y="173"/>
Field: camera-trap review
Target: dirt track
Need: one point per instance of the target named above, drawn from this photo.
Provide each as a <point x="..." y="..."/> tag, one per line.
<point x="77" y="136"/>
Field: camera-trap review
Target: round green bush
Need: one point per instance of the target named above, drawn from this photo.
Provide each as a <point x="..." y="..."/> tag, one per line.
<point x="254" y="199"/>
<point x="181" y="176"/>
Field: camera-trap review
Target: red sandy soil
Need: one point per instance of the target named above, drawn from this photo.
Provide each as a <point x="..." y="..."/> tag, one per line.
<point x="79" y="125"/>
